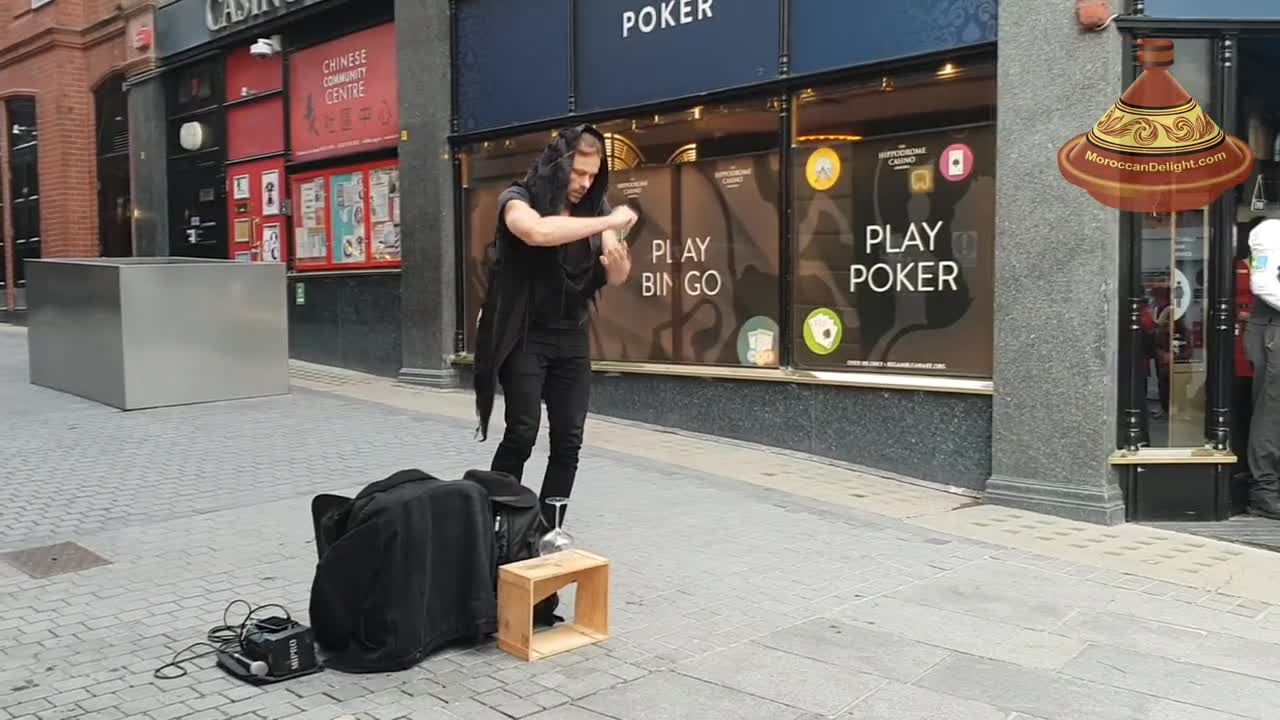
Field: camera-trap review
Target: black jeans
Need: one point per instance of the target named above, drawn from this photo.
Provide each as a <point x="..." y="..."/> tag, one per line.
<point x="1262" y="343"/>
<point x="552" y="366"/>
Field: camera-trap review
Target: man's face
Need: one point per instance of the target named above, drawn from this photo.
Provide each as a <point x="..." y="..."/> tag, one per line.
<point x="585" y="169"/>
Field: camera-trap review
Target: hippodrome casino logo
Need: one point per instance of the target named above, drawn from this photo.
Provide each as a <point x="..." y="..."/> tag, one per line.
<point x="1155" y="150"/>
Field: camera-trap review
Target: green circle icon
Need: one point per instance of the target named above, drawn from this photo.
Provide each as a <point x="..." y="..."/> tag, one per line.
<point x="823" y="330"/>
<point x="758" y="342"/>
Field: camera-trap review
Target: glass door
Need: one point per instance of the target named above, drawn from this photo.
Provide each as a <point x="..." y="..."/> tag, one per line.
<point x="1169" y="295"/>
<point x="1173" y="316"/>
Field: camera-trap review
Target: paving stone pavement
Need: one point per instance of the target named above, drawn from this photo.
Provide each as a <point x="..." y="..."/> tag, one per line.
<point x="731" y="599"/>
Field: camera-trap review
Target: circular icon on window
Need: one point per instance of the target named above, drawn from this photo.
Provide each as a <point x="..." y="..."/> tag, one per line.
<point x="956" y="162"/>
<point x="758" y="342"/>
<point x="823" y="330"/>
<point x="823" y="169"/>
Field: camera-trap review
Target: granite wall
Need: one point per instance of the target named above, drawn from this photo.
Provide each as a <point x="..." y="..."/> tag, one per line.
<point x="938" y="437"/>
<point x="349" y="320"/>
<point x="1057" y="268"/>
<point x="427" y="188"/>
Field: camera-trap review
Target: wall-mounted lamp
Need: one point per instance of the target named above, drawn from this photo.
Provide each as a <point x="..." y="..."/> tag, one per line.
<point x="1095" y="15"/>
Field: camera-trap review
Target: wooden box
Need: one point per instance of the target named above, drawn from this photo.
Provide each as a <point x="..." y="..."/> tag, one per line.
<point x="522" y="585"/>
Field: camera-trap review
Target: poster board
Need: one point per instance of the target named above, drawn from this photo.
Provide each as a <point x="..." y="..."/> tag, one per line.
<point x="347" y="217"/>
<point x="704" y="285"/>
<point x="893" y="243"/>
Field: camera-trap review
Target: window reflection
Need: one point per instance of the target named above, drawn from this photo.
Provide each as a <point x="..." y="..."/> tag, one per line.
<point x="704" y="180"/>
<point x="1173" y="318"/>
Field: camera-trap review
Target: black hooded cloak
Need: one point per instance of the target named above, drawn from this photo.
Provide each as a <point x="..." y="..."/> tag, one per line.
<point x="521" y="271"/>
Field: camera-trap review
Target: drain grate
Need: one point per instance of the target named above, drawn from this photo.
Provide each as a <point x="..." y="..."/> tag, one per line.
<point x="50" y="560"/>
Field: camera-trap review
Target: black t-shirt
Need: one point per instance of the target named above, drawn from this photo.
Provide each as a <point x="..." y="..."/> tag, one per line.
<point x="564" y="278"/>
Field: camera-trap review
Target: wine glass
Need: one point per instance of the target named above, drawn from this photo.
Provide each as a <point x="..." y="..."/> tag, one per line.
<point x="557" y="539"/>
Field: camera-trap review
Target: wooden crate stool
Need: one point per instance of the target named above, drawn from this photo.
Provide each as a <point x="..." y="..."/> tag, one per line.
<point x="522" y="585"/>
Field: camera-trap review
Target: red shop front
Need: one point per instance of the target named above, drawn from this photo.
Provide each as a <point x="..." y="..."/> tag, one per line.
<point x="328" y="199"/>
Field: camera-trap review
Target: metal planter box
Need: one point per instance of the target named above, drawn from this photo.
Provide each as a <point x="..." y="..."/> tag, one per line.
<point x="151" y="332"/>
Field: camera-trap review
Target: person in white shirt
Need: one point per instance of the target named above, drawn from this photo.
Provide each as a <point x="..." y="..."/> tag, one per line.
<point x="1262" y="345"/>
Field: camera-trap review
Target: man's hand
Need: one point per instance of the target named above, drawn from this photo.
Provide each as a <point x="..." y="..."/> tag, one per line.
<point x="623" y="217"/>
<point x="615" y="259"/>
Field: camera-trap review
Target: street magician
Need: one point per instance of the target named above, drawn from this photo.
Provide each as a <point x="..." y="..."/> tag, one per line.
<point x="557" y="246"/>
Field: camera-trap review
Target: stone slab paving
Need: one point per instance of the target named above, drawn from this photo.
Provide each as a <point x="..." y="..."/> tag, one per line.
<point x="732" y="597"/>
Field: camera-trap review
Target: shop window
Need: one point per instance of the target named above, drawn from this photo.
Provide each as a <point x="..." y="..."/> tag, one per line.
<point x="347" y="217"/>
<point x="704" y="285"/>
<point x="24" y="181"/>
<point x="893" y="198"/>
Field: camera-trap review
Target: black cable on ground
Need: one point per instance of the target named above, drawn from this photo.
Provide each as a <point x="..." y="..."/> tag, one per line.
<point x="220" y="638"/>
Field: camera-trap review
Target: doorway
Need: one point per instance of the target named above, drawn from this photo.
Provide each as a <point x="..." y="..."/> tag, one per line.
<point x="115" y="208"/>
<point x="24" y="184"/>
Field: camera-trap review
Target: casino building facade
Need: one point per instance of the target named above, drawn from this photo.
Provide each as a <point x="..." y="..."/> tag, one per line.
<point x="854" y="240"/>
<point x="815" y="265"/>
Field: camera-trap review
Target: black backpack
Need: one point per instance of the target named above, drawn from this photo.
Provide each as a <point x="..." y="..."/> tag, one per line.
<point x="517" y="527"/>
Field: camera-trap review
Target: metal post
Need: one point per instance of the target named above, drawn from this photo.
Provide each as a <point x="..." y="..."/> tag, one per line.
<point x="1221" y="343"/>
<point x="459" y="229"/>
<point x="573" y="68"/>
<point x="1133" y="396"/>
<point x="786" y="263"/>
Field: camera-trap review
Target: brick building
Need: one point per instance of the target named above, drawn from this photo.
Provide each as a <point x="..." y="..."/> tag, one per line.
<point x="64" y="150"/>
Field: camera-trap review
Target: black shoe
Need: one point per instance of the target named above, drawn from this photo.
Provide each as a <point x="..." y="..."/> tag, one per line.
<point x="1267" y="506"/>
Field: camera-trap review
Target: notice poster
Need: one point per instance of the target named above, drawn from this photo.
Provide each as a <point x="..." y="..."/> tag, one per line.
<point x="343" y="95"/>
<point x="384" y="216"/>
<point x="346" y="217"/>
<point x="309" y="226"/>
<point x="704" y="266"/>
<point x="244" y="230"/>
<point x="271" y="193"/>
<point x="894" y="245"/>
<point x="270" y="243"/>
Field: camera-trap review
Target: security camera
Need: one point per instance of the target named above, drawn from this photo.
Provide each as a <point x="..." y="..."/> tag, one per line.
<point x="265" y="47"/>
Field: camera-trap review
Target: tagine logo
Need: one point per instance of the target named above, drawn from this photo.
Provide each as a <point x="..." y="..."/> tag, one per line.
<point x="1155" y="150"/>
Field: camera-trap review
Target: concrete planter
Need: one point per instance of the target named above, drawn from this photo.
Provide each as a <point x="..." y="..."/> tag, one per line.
<point x="150" y="332"/>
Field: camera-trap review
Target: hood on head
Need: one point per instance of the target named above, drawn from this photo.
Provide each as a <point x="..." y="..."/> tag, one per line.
<point x="548" y="178"/>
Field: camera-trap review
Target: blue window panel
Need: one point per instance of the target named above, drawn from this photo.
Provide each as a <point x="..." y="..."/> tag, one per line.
<point x="1215" y="9"/>
<point x="631" y="52"/>
<point x="831" y="34"/>
<point x="512" y="62"/>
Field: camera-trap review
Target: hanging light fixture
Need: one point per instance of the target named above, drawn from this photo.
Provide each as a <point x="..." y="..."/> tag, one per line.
<point x="622" y="153"/>
<point x="684" y="154"/>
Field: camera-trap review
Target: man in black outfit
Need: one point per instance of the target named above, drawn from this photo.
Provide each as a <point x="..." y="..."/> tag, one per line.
<point x="557" y="247"/>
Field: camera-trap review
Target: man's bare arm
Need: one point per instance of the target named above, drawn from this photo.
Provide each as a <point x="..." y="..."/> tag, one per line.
<point x="553" y="230"/>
